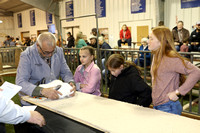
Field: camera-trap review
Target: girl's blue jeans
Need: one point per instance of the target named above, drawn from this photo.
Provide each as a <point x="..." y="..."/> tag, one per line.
<point x="170" y="107"/>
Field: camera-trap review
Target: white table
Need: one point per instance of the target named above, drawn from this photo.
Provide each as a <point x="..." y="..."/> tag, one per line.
<point x="117" y="117"/>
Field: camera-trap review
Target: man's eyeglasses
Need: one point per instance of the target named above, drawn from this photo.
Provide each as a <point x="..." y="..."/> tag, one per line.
<point x="47" y="52"/>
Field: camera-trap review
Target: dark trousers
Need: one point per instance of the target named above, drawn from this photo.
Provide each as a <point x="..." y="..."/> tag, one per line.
<point x="194" y="48"/>
<point x="141" y="62"/>
<point x="126" y="41"/>
<point x="2" y="128"/>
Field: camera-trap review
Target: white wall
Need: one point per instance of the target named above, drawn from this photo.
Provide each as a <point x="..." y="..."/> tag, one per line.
<point x="6" y="28"/>
<point x="40" y="20"/>
<point x="117" y="12"/>
<point x="188" y="15"/>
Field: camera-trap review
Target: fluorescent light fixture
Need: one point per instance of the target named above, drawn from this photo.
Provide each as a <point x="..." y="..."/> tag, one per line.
<point x="1" y="21"/>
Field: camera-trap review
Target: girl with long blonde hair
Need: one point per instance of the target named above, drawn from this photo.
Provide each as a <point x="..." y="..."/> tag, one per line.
<point x="167" y="70"/>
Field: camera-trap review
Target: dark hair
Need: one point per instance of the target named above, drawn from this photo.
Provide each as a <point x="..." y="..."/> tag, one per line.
<point x="69" y="33"/>
<point x="102" y="35"/>
<point x="180" y="22"/>
<point x="90" y="49"/>
<point x="161" y="23"/>
<point x="116" y="60"/>
<point x="94" y="30"/>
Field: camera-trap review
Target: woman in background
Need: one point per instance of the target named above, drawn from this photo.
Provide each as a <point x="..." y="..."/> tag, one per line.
<point x="144" y="47"/>
<point x="79" y="42"/>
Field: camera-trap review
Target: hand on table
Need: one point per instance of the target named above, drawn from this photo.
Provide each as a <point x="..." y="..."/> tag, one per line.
<point x="51" y="93"/>
<point x="73" y="89"/>
<point x="36" y="118"/>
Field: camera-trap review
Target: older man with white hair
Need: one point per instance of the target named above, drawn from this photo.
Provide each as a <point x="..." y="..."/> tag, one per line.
<point x="42" y="62"/>
<point x="140" y="59"/>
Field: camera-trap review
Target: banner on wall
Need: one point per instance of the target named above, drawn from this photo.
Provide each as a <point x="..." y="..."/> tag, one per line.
<point x="49" y="19"/>
<point x="100" y="8"/>
<point x="138" y="6"/>
<point x="19" y="20"/>
<point x="32" y="17"/>
<point x="190" y="3"/>
<point x="69" y="8"/>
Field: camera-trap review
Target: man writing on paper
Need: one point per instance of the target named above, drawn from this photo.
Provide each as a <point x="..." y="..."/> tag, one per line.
<point x="42" y="62"/>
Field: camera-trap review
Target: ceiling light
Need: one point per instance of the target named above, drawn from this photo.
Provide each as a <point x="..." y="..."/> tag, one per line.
<point x="1" y="21"/>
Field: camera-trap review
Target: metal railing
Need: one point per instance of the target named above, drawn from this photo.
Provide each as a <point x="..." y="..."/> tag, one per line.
<point x="9" y="57"/>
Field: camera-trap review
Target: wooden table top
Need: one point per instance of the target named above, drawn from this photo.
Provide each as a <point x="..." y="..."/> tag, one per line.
<point x="117" y="117"/>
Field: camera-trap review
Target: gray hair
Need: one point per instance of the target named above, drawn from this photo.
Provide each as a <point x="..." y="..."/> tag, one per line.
<point x="145" y="40"/>
<point x="47" y="37"/>
<point x="101" y="38"/>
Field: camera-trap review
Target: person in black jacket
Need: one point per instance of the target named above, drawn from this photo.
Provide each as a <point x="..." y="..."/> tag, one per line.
<point x="126" y="82"/>
<point x="195" y="39"/>
<point x="70" y="40"/>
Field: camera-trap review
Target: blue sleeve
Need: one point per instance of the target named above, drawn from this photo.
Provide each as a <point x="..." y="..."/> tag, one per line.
<point x="24" y="75"/>
<point x="148" y="55"/>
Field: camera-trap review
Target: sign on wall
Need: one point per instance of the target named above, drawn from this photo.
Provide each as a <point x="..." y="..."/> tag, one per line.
<point x="49" y="19"/>
<point x="138" y="6"/>
<point x="69" y="10"/>
<point x="32" y="17"/>
<point x="19" y="20"/>
<point x="190" y="3"/>
<point x="100" y="8"/>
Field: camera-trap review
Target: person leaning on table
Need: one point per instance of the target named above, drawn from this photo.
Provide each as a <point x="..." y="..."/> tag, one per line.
<point x="11" y="113"/>
<point x="42" y="62"/>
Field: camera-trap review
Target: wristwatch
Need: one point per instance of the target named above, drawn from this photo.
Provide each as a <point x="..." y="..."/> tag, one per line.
<point x="41" y="91"/>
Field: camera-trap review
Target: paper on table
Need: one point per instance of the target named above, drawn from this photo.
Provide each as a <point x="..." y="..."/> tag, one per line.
<point x="64" y="89"/>
<point x="10" y="90"/>
<point x="29" y="108"/>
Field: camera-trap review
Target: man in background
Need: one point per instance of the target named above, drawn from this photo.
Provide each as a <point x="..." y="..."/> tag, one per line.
<point x="180" y="34"/>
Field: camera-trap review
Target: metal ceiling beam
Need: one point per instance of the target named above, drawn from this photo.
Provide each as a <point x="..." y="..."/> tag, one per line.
<point x="45" y="5"/>
<point x="6" y="13"/>
<point x="13" y="7"/>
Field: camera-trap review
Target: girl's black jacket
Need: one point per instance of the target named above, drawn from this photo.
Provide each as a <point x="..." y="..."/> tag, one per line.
<point x="129" y="87"/>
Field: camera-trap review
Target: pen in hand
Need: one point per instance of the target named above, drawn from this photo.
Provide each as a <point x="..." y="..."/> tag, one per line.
<point x="57" y="87"/>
